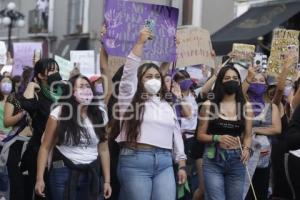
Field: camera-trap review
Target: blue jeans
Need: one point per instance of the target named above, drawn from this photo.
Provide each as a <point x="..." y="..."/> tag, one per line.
<point x="146" y="174"/>
<point x="224" y="177"/>
<point x="58" y="179"/>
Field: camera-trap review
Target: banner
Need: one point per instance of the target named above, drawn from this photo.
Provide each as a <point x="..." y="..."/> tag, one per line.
<point x="124" y="21"/>
<point x="3" y="57"/>
<point x="65" y="67"/>
<point x="194" y="47"/>
<point x="86" y="61"/>
<point x="284" y="42"/>
<point x="23" y="55"/>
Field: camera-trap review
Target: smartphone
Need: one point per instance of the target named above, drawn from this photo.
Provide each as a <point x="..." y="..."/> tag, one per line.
<point x="150" y="24"/>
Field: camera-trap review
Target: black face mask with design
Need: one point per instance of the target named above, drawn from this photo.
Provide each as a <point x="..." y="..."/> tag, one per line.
<point x="231" y="87"/>
<point x="53" y="78"/>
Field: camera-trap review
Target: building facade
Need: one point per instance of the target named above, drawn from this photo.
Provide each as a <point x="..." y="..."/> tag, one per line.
<point x="81" y="19"/>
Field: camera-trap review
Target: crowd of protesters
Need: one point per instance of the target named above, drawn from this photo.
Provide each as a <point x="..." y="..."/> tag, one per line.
<point x="150" y="132"/>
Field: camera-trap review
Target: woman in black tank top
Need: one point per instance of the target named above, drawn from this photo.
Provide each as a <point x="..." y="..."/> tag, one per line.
<point x="226" y="130"/>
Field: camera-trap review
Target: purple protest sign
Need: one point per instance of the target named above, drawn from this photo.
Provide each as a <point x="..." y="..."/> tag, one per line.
<point x="23" y="55"/>
<point x="124" y="21"/>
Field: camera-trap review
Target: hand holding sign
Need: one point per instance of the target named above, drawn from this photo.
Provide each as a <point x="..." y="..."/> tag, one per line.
<point x="290" y="61"/>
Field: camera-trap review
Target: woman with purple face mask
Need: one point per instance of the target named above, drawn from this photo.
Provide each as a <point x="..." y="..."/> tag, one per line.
<point x="5" y="90"/>
<point x="75" y="129"/>
<point x="266" y="122"/>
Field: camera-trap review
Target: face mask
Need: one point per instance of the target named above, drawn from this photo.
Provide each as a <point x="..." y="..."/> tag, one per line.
<point x="6" y="88"/>
<point x="99" y="88"/>
<point x="287" y="90"/>
<point x="231" y="87"/>
<point x="152" y="86"/>
<point x="84" y="96"/>
<point x="257" y="89"/>
<point x="185" y="84"/>
<point x="53" y="78"/>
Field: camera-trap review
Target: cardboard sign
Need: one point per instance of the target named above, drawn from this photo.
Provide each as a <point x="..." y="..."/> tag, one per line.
<point x="23" y="55"/>
<point x="65" y="67"/>
<point x="194" y="47"/>
<point x="124" y="21"/>
<point x="284" y="42"/>
<point x="3" y="57"/>
<point x="85" y="61"/>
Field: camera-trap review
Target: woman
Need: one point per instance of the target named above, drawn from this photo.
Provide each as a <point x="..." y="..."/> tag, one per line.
<point x="292" y="159"/>
<point x="225" y="125"/>
<point x="266" y="122"/>
<point x="149" y="130"/>
<point x="38" y="97"/>
<point x="14" y="115"/>
<point x="75" y="129"/>
<point x="5" y="90"/>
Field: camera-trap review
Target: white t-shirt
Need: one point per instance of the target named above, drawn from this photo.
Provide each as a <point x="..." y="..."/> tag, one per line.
<point x="190" y="124"/>
<point x="83" y="153"/>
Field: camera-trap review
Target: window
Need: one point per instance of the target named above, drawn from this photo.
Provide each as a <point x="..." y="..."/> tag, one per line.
<point x="187" y="12"/>
<point x="76" y="16"/>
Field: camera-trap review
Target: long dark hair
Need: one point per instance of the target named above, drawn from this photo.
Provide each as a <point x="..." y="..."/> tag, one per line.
<point x="43" y="65"/>
<point x="219" y="91"/>
<point x="69" y="130"/>
<point x="133" y="124"/>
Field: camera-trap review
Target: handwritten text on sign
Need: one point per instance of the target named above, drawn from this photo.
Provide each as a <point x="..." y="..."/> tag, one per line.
<point x="284" y="42"/>
<point x="86" y="61"/>
<point x="23" y="55"/>
<point x="194" y="47"/>
<point x="124" y="21"/>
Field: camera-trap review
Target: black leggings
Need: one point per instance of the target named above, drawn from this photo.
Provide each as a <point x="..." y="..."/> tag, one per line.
<point x="18" y="182"/>
<point x="294" y="173"/>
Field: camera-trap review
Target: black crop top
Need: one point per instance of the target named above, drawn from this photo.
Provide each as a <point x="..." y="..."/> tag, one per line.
<point x="221" y="126"/>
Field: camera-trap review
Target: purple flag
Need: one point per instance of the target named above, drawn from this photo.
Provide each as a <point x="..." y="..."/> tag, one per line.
<point x="124" y="21"/>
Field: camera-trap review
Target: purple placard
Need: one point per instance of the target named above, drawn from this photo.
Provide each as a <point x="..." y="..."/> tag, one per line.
<point x="124" y="20"/>
<point x="23" y="55"/>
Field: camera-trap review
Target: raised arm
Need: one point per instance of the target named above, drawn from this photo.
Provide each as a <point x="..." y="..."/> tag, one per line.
<point x="164" y="68"/>
<point x="246" y="83"/>
<point x="289" y="61"/>
<point x="129" y="80"/>
<point x="104" y="68"/>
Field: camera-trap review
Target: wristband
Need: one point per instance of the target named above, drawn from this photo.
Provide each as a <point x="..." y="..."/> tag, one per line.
<point x="216" y="138"/>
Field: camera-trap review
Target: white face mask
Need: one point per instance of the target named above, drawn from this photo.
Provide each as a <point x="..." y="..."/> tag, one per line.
<point x="152" y="86"/>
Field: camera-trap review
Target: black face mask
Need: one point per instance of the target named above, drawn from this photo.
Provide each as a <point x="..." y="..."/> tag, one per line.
<point x="53" y="78"/>
<point x="231" y="87"/>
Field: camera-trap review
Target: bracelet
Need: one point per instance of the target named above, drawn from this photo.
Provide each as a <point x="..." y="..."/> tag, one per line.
<point x="245" y="147"/>
<point x="216" y="138"/>
<point x="107" y="182"/>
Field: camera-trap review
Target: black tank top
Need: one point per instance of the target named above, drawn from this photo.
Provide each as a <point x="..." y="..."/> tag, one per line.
<point x="221" y="126"/>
